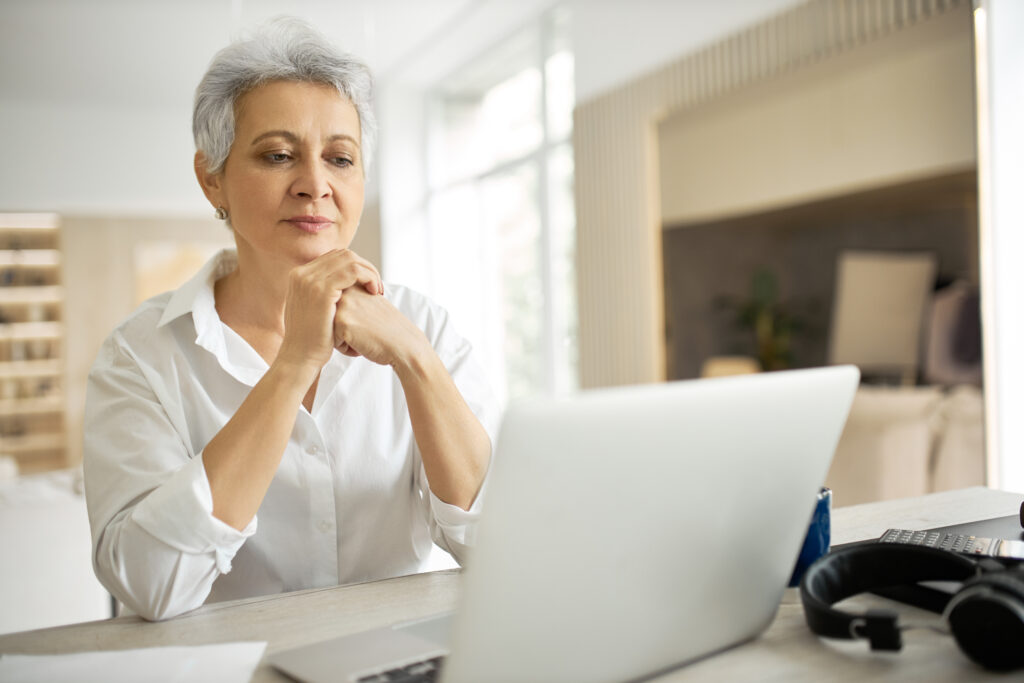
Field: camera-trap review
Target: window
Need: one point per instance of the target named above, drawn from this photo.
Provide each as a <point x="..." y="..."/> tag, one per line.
<point x="500" y="213"/>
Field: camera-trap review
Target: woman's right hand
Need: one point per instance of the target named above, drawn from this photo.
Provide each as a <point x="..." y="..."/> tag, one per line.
<point x="314" y="290"/>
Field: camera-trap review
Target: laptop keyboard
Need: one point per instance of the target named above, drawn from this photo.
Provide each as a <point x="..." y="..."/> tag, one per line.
<point x="419" y="672"/>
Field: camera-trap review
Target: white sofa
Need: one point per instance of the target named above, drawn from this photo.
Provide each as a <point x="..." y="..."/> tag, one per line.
<point x="908" y="441"/>
<point x="46" y="576"/>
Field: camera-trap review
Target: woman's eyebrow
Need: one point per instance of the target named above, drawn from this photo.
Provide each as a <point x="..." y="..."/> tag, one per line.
<point x="343" y="137"/>
<point x="287" y="135"/>
<point x="293" y="138"/>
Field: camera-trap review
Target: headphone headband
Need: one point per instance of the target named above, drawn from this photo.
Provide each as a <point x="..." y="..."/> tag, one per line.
<point x="985" y="617"/>
<point x="857" y="569"/>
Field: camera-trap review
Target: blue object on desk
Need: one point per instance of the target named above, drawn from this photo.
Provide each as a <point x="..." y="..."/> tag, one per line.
<point x="819" y="536"/>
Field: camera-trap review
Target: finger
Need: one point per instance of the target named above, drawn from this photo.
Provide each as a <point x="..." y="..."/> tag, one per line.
<point x="348" y="350"/>
<point x="340" y="342"/>
<point x="368" y="278"/>
<point x="376" y="286"/>
<point x="333" y="273"/>
<point x="346" y="268"/>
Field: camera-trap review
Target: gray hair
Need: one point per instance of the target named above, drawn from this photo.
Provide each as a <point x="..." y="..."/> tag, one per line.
<point x="283" y="49"/>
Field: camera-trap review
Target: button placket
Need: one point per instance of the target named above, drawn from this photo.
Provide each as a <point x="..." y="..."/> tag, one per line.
<point x="322" y="503"/>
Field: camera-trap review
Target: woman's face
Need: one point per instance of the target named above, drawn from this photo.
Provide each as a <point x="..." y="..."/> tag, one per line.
<point x="293" y="180"/>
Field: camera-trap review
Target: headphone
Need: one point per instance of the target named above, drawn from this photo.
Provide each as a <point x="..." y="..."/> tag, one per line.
<point x="986" y="615"/>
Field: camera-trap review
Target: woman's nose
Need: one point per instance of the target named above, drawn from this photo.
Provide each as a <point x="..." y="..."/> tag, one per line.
<point x="311" y="181"/>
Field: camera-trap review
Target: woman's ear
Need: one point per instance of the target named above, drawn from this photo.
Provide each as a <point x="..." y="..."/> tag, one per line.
<point x="210" y="182"/>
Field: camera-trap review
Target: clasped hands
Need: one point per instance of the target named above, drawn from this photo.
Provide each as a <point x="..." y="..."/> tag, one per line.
<point x="336" y="301"/>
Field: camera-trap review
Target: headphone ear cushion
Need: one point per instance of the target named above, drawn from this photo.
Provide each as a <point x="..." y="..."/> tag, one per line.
<point x="1010" y="582"/>
<point x="987" y="620"/>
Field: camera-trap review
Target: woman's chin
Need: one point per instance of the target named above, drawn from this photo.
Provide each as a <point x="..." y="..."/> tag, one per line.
<point x="295" y="252"/>
<point x="308" y="250"/>
<point x="305" y="256"/>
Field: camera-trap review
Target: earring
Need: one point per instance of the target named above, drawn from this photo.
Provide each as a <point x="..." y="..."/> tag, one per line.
<point x="220" y="213"/>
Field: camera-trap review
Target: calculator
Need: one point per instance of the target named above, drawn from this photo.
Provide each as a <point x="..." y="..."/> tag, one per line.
<point x="958" y="543"/>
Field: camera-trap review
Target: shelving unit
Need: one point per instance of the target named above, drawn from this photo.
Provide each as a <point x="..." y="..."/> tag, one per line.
<point x="32" y="332"/>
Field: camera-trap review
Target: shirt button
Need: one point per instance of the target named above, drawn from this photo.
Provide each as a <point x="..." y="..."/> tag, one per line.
<point x="313" y="450"/>
<point x="324" y="526"/>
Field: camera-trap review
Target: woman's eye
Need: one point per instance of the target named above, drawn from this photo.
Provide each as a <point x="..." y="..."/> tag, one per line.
<point x="277" y="157"/>
<point x="343" y="162"/>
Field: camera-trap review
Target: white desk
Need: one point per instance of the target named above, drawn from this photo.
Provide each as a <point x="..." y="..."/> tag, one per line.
<point x="787" y="651"/>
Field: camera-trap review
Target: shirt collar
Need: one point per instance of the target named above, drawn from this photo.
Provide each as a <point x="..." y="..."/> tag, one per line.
<point x="196" y="295"/>
<point x="196" y="298"/>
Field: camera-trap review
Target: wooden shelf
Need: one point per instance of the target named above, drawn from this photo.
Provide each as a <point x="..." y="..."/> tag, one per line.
<point x="31" y="306"/>
<point x="45" y="294"/>
<point x="15" y="407"/>
<point x="25" y="369"/>
<point x="29" y="222"/>
<point x="26" y="443"/>
<point x="31" y="331"/>
<point x="40" y="462"/>
<point x="32" y="258"/>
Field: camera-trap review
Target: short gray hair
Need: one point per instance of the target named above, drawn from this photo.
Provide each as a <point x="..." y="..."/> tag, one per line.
<point x="283" y="49"/>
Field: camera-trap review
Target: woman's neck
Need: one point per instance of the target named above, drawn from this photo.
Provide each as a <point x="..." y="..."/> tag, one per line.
<point x="250" y="300"/>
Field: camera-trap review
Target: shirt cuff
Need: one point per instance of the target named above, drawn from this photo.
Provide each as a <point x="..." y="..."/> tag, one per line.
<point x="180" y="513"/>
<point x="457" y="524"/>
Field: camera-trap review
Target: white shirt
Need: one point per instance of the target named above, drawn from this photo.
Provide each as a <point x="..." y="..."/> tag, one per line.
<point x="349" y="502"/>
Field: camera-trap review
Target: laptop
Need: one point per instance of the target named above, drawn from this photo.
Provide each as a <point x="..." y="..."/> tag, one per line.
<point x="625" y="532"/>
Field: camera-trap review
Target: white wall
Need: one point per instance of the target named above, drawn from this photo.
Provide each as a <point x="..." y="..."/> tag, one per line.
<point x="89" y="158"/>
<point x="96" y="102"/>
<point x="1001" y="175"/>
<point x="617" y="40"/>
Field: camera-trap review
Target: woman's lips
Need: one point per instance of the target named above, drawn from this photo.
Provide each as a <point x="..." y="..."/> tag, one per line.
<point x="311" y="224"/>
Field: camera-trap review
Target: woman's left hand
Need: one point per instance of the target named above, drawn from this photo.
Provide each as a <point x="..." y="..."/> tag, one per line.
<point x="453" y="445"/>
<point x="369" y="325"/>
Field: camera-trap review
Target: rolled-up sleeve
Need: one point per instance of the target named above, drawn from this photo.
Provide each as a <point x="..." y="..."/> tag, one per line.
<point x="451" y="527"/>
<point x="156" y="545"/>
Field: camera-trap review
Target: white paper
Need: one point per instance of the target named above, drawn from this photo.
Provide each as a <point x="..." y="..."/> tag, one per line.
<point x="225" y="662"/>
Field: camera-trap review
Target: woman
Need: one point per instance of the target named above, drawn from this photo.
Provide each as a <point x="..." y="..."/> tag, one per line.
<point x="285" y="378"/>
